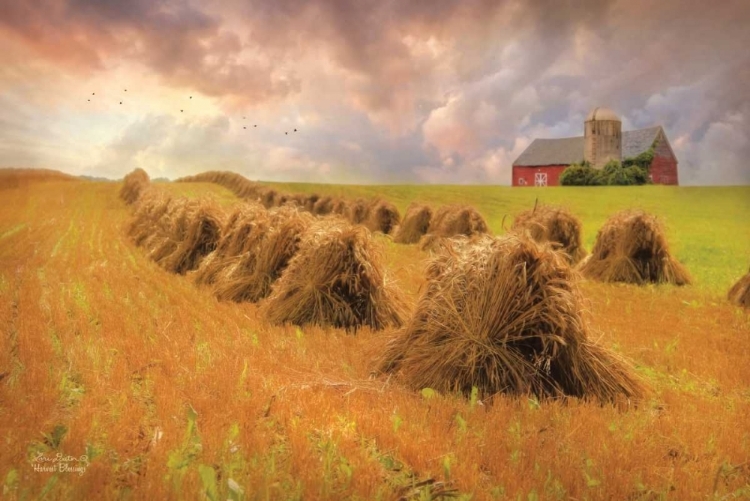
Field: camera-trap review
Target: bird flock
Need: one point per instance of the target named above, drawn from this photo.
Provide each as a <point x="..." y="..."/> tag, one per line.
<point x="183" y="111"/>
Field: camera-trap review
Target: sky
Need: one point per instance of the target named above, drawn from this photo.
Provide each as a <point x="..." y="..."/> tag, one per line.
<point x="380" y="91"/>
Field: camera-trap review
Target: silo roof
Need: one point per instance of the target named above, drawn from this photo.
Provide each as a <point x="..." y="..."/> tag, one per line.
<point x="600" y="113"/>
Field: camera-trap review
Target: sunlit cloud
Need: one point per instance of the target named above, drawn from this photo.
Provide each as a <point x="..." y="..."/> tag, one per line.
<point x="439" y="91"/>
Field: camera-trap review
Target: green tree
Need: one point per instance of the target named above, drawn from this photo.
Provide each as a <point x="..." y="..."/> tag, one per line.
<point x="632" y="171"/>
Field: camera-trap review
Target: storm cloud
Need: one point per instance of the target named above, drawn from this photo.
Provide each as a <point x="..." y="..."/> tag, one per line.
<point x="380" y="91"/>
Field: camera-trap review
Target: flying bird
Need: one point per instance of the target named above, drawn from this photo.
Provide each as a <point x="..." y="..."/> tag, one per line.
<point x="244" y="127"/>
<point x="254" y="125"/>
<point x="93" y="93"/>
<point x="191" y="97"/>
<point x="120" y="102"/>
<point x="295" y="130"/>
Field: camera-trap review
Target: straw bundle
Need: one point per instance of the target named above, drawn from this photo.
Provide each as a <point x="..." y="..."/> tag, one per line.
<point x="251" y="280"/>
<point x="505" y="315"/>
<point x="632" y="247"/>
<point x="555" y="225"/>
<point x="357" y="211"/>
<point x="186" y="232"/>
<point x="309" y="201"/>
<point x="133" y="186"/>
<point x="452" y="220"/>
<point x="150" y="217"/>
<point x="739" y="294"/>
<point x="237" y="184"/>
<point x="381" y="216"/>
<point x="198" y="239"/>
<point x="336" y="278"/>
<point x="268" y="197"/>
<point x="323" y="206"/>
<point x="415" y="224"/>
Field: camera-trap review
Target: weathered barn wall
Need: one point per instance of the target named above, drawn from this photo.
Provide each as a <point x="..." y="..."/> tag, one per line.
<point x="664" y="165"/>
<point x="527" y="174"/>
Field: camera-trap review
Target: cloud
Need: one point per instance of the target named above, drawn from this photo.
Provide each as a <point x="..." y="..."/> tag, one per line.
<point x="166" y="146"/>
<point x="720" y="157"/>
<point x="185" y="46"/>
<point x="425" y="89"/>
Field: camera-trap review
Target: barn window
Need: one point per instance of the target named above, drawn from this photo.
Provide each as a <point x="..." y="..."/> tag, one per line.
<point x="540" y="179"/>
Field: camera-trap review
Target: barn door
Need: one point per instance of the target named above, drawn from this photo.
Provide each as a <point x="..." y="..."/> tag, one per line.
<point x="540" y="179"/>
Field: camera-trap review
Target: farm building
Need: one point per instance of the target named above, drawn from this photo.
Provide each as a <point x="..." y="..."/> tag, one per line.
<point x="545" y="159"/>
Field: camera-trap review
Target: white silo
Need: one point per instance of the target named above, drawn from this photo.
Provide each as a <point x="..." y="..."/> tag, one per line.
<point x="602" y="137"/>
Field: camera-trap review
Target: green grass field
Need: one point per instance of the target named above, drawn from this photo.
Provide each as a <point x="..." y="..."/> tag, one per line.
<point x="708" y="228"/>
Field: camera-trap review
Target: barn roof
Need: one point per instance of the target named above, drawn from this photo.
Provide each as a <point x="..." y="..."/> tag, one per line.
<point x="569" y="150"/>
<point x="635" y="142"/>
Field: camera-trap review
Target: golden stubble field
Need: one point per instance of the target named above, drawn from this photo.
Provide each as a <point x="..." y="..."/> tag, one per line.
<point x="170" y="394"/>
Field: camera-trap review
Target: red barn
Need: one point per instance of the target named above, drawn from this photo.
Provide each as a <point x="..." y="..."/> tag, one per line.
<point x="544" y="160"/>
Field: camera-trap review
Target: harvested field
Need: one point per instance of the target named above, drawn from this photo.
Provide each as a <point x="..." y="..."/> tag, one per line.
<point x="17" y="178"/>
<point x="172" y="394"/>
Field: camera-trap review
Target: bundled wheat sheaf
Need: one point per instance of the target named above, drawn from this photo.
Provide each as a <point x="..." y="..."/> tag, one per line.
<point x="739" y="294"/>
<point x="632" y="247"/>
<point x="357" y="211"/>
<point x="134" y="185"/>
<point x="323" y="206"/>
<point x="505" y="315"/>
<point x="450" y="221"/>
<point x="376" y="215"/>
<point x="239" y="235"/>
<point x="336" y="278"/>
<point x="188" y="231"/>
<point x="237" y="184"/>
<point x="381" y="216"/>
<point x="555" y="225"/>
<point x="149" y="220"/>
<point x="274" y="240"/>
<point x="177" y="233"/>
<point x="415" y="224"/>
